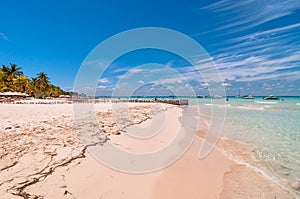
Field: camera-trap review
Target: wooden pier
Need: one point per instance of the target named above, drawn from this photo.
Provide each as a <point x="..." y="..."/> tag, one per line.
<point x="179" y="102"/>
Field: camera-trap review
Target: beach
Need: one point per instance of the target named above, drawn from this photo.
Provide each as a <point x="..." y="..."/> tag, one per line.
<point x="150" y="99"/>
<point x="43" y="156"/>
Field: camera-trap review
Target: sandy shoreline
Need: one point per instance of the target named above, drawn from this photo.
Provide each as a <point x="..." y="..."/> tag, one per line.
<point x="42" y="155"/>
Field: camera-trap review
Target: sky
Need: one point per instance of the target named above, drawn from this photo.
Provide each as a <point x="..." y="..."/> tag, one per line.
<point x="254" y="44"/>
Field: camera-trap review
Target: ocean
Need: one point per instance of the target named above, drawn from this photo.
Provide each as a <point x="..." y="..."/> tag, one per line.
<point x="272" y="128"/>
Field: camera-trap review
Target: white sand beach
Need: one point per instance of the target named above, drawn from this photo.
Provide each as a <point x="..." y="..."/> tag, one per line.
<point x="42" y="156"/>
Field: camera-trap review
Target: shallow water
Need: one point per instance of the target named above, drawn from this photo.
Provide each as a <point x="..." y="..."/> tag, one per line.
<point x="271" y="127"/>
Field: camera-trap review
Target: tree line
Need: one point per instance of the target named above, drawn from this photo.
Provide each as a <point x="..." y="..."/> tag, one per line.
<point x="13" y="79"/>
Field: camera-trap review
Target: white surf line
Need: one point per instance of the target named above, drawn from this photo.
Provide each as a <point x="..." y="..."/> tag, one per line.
<point x="237" y="160"/>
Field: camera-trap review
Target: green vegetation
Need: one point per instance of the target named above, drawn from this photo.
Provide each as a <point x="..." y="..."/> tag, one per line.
<point x="13" y="79"/>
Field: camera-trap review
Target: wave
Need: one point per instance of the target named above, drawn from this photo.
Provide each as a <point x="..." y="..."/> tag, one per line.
<point x="263" y="102"/>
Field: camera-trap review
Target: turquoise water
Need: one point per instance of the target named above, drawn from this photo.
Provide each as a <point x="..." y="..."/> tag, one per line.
<point x="271" y="127"/>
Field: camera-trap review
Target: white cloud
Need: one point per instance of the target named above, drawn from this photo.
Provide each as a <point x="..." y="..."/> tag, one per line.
<point x="3" y="36"/>
<point x="135" y="70"/>
<point x="99" y="63"/>
<point x="250" y="13"/>
<point x="267" y="54"/>
<point x="170" y="63"/>
<point x="104" y="80"/>
<point x="204" y="84"/>
<point x="102" y="87"/>
<point x="123" y="69"/>
<point x="175" y="79"/>
<point x="130" y="73"/>
<point x="266" y="33"/>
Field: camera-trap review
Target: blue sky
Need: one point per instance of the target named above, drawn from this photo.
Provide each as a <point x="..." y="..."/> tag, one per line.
<point x="255" y="44"/>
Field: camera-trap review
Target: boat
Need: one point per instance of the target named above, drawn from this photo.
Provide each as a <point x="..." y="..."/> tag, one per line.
<point x="200" y="96"/>
<point x="264" y="102"/>
<point x="248" y="97"/>
<point x="271" y="97"/>
<point x="239" y="95"/>
<point x="217" y="97"/>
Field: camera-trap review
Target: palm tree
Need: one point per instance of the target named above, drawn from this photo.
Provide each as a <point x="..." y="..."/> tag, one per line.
<point x="2" y="83"/>
<point x="15" y="71"/>
<point x="22" y="84"/>
<point x="41" y="85"/>
<point x="34" y="87"/>
<point x="10" y="72"/>
<point x="43" y="80"/>
<point x="12" y="79"/>
<point x="55" y="91"/>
